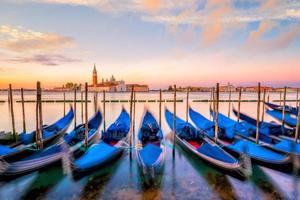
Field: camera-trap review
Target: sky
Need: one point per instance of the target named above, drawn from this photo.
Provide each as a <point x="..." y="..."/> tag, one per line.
<point x="154" y="42"/>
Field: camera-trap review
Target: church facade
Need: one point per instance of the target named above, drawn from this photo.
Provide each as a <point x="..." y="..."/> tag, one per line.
<point x="109" y="85"/>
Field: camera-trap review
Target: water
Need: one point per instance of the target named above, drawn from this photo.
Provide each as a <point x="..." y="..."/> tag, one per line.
<point x="184" y="175"/>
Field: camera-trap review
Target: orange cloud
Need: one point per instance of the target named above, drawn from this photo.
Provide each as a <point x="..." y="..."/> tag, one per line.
<point x="152" y="5"/>
<point x="264" y="27"/>
<point x="213" y="28"/>
<point x="20" y="40"/>
<point x="269" y="4"/>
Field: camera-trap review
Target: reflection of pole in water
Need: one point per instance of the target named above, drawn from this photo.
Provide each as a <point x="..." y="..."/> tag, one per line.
<point x="246" y="162"/>
<point x="296" y="166"/>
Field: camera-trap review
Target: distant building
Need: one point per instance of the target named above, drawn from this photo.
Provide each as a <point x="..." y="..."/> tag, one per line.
<point x="137" y="87"/>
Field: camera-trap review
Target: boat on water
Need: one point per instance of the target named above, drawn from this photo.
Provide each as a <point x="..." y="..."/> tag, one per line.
<point x="50" y="135"/>
<point x="194" y="141"/>
<point x="266" y="128"/>
<point x="71" y="144"/>
<point x="151" y="152"/>
<point x="267" y="133"/>
<point x="289" y="119"/>
<point x="289" y="109"/>
<point x="108" y="149"/>
<point x="237" y="145"/>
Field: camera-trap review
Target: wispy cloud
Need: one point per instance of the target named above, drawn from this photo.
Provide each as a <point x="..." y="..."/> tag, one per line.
<point x="20" y="40"/>
<point x="50" y="60"/>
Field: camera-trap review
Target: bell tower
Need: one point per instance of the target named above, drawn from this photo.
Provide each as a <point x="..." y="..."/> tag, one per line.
<point x="95" y="82"/>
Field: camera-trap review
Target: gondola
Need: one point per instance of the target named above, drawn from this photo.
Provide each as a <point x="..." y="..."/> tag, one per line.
<point x="151" y="154"/>
<point x="287" y="108"/>
<point x="191" y="140"/>
<point x="51" y="135"/>
<point x="71" y="144"/>
<point x="289" y="119"/>
<point x="238" y="145"/>
<point x="267" y="133"/>
<point x="110" y="147"/>
<point x="7" y="138"/>
<point x="266" y="128"/>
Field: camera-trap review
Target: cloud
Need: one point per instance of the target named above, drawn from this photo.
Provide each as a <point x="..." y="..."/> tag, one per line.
<point x="152" y="5"/>
<point x="22" y="40"/>
<point x="264" y="27"/>
<point x="51" y="60"/>
<point x="283" y="40"/>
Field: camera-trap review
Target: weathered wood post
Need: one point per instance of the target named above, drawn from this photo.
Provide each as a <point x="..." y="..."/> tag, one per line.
<point x="264" y="106"/>
<point x="23" y="110"/>
<point x="12" y="113"/>
<point x="75" y="107"/>
<point x="64" y="104"/>
<point x="239" y="104"/>
<point x="81" y="103"/>
<point x="160" y="103"/>
<point x="104" y="110"/>
<point x="131" y="121"/>
<point x="39" y="116"/>
<point x="174" y="120"/>
<point x="258" y="114"/>
<point x="187" y="104"/>
<point x="229" y="100"/>
<point x="283" y="110"/>
<point x="86" y="130"/>
<point x="217" y="112"/>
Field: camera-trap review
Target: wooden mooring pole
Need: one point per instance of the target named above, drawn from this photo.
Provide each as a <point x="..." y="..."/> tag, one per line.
<point x="39" y="116"/>
<point x="239" y="104"/>
<point x="264" y="106"/>
<point x="64" y="104"/>
<point x="159" y="109"/>
<point x="12" y="113"/>
<point x="23" y="111"/>
<point x="86" y="130"/>
<point x="81" y="103"/>
<point x="217" y="112"/>
<point x="174" y="120"/>
<point x="187" y="105"/>
<point x="75" y="107"/>
<point x="104" y="110"/>
<point x="258" y="114"/>
<point x="131" y="121"/>
<point x="229" y="100"/>
<point x="283" y="110"/>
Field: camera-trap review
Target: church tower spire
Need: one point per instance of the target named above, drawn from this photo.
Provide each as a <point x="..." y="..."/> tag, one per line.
<point x="95" y="82"/>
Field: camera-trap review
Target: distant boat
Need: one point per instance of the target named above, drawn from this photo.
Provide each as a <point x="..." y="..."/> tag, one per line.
<point x="237" y="145"/>
<point x="266" y="128"/>
<point x="72" y="143"/>
<point x="287" y="108"/>
<point x="110" y="147"/>
<point x="289" y="119"/>
<point x="51" y="135"/>
<point x="192" y="140"/>
<point x="151" y="154"/>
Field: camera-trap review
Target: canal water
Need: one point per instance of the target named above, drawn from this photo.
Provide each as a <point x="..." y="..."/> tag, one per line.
<point x="184" y="175"/>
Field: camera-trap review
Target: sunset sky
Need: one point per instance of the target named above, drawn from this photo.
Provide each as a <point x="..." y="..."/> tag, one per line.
<point x="156" y="42"/>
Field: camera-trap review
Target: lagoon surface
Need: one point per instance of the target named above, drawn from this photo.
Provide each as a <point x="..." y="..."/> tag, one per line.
<point x="184" y="175"/>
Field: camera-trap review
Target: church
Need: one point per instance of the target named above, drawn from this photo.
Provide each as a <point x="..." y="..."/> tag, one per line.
<point x="111" y="85"/>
